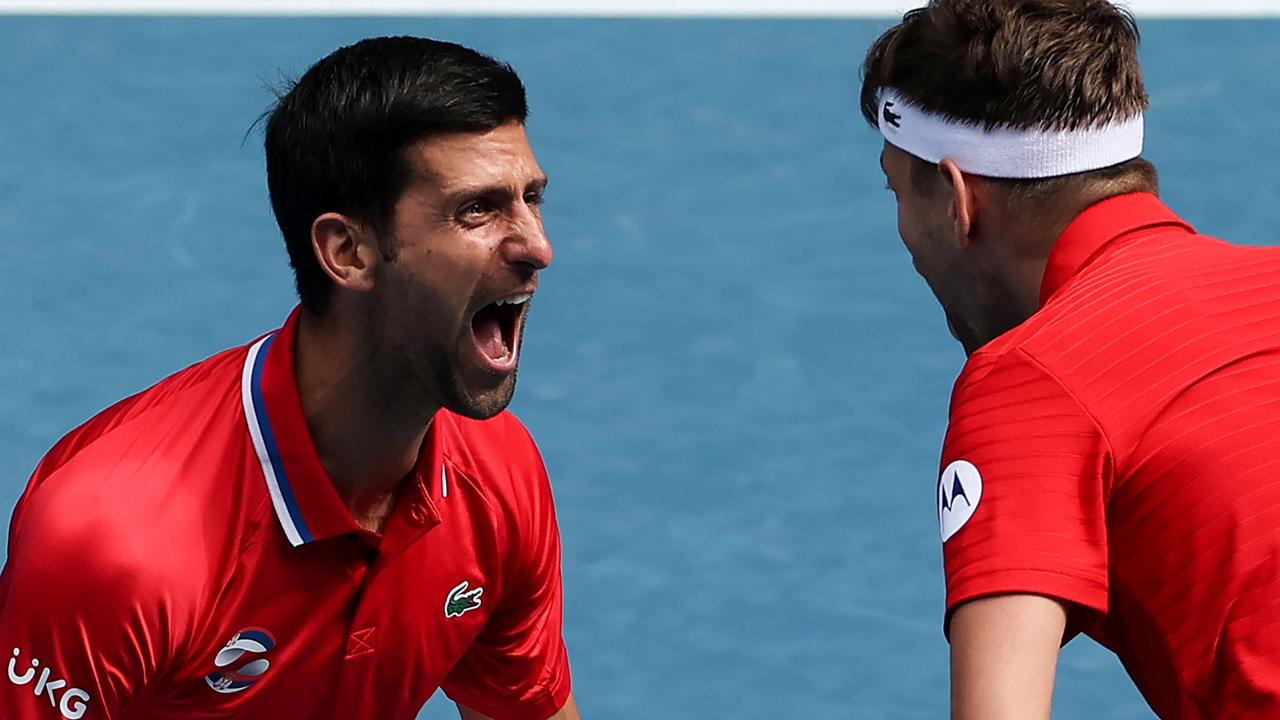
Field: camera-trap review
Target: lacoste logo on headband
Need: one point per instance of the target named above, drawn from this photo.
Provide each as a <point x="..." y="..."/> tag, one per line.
<point x="891" y="117"/>
<point x="1004" y="151"/>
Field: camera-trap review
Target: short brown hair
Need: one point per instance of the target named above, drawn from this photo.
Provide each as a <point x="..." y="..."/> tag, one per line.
<point x="1051" y="64"/>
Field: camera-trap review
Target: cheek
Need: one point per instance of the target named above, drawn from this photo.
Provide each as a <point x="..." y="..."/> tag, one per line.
<point x="909" y="229"/>
<point x="410" y="306"/>
<point x="438" y="274"/>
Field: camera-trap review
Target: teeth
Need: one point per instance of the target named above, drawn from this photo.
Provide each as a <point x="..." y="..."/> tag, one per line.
<point x="514" y="299"/>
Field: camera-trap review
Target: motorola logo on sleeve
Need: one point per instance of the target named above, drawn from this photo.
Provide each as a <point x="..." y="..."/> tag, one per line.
<point x="959" y="490"/>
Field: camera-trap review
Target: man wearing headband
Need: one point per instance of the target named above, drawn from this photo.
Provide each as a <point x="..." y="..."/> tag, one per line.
<point x="1112" y="460"/>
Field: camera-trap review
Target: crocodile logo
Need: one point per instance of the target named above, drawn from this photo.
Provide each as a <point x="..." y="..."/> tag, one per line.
<point x="890" y="116"/>
<point x="462" y="600"/>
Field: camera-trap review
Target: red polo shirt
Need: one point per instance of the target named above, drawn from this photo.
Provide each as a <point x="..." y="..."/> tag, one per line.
<point x="183" y="554"/>
<point x="1120" y="451"/>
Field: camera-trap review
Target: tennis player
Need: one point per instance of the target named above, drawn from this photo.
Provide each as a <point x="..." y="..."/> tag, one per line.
<point x="339" y="517"/>
<point x="1112" y="461"/>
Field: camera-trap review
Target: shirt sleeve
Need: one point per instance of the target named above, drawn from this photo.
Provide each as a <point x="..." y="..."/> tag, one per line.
<point x="518" y="668"/>
<point x="76" y="622"/>
<point x="1022" y="492"/>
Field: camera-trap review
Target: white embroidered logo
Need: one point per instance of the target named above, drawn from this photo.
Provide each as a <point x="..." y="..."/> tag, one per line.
<point x="74" y="701"/>
<point x="959" y="490"/>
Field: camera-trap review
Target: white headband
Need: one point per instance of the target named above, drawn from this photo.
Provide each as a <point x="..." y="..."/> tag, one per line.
<point x="1006" y="152"/>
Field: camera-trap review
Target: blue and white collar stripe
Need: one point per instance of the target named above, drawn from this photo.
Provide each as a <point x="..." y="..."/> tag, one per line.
<point x="264" y="442"/>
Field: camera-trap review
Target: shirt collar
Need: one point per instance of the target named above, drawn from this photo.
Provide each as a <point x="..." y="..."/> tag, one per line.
<point x="304" y="498"/>
<point x="1097" y="227"/>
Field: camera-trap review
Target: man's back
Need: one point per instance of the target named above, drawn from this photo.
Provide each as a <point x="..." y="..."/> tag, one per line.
<point x="1149" y="387"/>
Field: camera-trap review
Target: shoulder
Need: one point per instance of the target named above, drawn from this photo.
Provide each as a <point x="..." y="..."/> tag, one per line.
<point x="180" y="401"/>
<point x="1150" y="293"/>
<point x="72" y="527"/>
<point x="82" y="549"/>
<point x="1008" y="403"/>
<point x="109" y="584"/>
<point x="132" y="491"/>
<point x="999" y="372"/>
<point x="498" y="459"/>
<point x="1158" y="312"/>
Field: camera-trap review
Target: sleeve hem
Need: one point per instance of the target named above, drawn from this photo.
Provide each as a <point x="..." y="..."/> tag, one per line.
<point x="1090" y="593"/>
<point x="540" y="705"/>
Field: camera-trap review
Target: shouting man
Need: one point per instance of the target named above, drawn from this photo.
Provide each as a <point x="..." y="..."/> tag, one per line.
<point x="340" y="517"/>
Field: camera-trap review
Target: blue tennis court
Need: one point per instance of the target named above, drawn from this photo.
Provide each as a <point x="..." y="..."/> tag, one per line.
<point x="738" y="382"/>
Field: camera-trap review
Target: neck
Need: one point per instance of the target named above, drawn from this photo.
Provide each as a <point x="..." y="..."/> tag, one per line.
<point x="1023" y="275"/>
<point x="1033" y="230"/>
<point x="1024" y="254"/>
<point x="366" y="436"/>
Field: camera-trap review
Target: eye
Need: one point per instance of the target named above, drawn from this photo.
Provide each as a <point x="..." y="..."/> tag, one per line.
<point x="475" y="210"/>
<point x="533" y="197"/>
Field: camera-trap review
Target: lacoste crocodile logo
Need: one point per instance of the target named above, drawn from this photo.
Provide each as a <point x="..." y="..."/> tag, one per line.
<point x="461" y="600"/>
<point x="890" y="116"/>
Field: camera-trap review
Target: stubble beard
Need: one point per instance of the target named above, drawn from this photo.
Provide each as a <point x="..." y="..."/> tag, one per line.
<point x="461" y="397"/>
<point x="480" y="406"/>
<point x="423" y="374"/>
<point x="982" y="308"/>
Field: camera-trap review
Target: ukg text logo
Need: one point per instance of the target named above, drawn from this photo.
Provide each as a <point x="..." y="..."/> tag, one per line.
<point x="74" y="701"/>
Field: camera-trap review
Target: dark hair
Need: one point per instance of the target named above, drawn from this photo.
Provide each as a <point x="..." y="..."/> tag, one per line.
<point x="335" y="140"/>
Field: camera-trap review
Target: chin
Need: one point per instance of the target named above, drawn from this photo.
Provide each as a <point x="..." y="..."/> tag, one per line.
<point x="482" y="404"/>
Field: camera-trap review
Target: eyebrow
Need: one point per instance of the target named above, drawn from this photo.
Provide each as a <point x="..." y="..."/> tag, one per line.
<point x="538" y="184"/>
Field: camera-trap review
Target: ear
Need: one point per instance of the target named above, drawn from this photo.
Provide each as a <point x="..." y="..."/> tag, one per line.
<point x="962" y="205"/>
<point x="346" y="251"/>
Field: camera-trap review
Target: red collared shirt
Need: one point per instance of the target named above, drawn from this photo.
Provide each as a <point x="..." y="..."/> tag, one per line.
<point x="183" y="554"/>
<point x="1120" y="451"/>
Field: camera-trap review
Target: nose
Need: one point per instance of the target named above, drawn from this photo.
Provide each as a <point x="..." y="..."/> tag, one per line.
<point x="527" y="243"/>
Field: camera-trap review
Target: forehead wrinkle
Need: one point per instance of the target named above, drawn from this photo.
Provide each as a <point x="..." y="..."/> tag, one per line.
<point x="460" y="164"/>
<point x="506" y="173"/>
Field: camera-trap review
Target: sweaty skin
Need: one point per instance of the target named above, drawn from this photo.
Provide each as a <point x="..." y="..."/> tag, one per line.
<point x="1004" y="653"/>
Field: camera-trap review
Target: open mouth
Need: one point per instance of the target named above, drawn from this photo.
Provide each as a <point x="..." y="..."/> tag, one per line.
<point x="496" y="331"/>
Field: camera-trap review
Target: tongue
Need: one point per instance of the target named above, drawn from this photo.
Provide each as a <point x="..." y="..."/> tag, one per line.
<point x="488" y="331"/>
